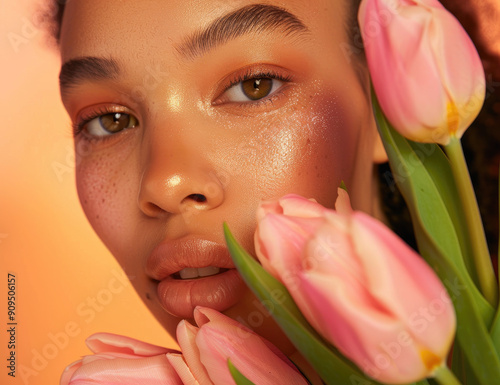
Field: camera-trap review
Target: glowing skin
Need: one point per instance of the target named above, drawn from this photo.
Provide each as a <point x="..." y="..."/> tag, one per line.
<point x="195" y="153"/>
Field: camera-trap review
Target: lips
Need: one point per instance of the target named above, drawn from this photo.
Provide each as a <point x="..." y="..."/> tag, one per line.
<point x="194" y="272"/>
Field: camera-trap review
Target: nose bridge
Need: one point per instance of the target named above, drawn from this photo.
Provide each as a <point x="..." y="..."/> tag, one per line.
<point x="177" y="173"/>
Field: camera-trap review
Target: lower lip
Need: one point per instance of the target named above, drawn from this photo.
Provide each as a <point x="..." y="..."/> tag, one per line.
<point x="219" y="292"/>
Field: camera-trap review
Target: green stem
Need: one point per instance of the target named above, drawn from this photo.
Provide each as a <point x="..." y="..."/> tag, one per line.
<point x="445" y="376"/>
<point x="480" y="253"/>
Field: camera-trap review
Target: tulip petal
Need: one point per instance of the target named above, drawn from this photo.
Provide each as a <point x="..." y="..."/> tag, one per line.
<point x="154" y="370"/>
<point x="203" y="315"/>
<point x="297" y="206"/>
<point x="182" y="369"/>
<point x="69" y="371"/>
<point x="343" y="202"/>
<point x="263" y="367"/>
<point x="108" y="342"/>
<point x="291" y="205"/>
<point x="397" y="281"/>
<point x="279" y="241"/>
<point x="331" y="247"/>
<point x="464" y="78"/>
<point x="186" y="337"/>
<point x="369" y="337"/>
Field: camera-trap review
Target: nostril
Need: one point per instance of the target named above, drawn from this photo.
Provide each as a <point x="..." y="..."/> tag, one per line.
<point x="198" y="198"/>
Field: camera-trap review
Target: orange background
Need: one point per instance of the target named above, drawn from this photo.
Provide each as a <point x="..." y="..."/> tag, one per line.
<point x="66" y="281"/>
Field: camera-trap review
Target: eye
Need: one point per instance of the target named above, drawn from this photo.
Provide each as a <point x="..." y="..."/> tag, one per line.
<point x="108" y="124"/>
<point x="252" y="89"/>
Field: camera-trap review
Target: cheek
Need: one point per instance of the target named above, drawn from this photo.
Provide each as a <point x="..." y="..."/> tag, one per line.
<point x="325" y="149"/>
<point x="105" y="190"/>
<point x="307" y="151"/>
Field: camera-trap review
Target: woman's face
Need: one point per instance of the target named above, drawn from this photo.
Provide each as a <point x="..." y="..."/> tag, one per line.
<point x="188" y="114"/>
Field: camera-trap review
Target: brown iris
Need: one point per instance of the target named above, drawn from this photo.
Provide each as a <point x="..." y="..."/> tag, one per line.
<point x="255" y="89"/>
<point x="116" y="122"/>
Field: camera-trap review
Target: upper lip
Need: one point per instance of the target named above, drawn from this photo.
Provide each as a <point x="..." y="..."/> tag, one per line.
<point x="170" y="257"/>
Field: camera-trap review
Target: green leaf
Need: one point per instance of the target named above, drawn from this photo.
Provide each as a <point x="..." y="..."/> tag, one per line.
<point x="461" y="367"/>
<point x="331" y="366"/>
<point x="495" y="329"/>
<point x="438" y="167"/>
<point x="422" y="187"/>
<point x="239" y="378"/>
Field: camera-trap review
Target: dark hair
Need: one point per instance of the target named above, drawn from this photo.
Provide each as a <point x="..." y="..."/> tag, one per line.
<point x="52" y="19"/>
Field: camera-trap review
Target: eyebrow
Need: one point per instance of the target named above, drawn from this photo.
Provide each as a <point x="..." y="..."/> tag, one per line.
<point x="251" y="18"/>
<point x="90" y="68"/>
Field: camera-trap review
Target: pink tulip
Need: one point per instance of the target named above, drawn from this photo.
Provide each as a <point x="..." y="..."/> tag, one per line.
<point x="425" y="69"/>
<point x="361" y="287"/>
<point x="121" y="360"/>
<point x="207" y="348"/>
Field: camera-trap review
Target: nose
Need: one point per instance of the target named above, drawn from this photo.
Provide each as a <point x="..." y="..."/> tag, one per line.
<point x="178" y="180"/>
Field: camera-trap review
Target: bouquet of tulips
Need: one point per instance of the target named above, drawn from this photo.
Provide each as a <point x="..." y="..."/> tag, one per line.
<point x="360" y="304"/>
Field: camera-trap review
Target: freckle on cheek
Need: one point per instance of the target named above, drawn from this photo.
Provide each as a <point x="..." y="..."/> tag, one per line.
<point x="97" y="187"/>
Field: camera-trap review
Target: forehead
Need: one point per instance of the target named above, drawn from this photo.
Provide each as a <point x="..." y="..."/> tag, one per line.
<point x="104" y="28"/>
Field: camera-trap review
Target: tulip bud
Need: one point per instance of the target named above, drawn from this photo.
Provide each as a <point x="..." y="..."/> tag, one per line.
<point x="367" y="292"/>
<point x="121" y="360"/>
<point x="425" y="69"/>
<point x="206" y="350"/>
